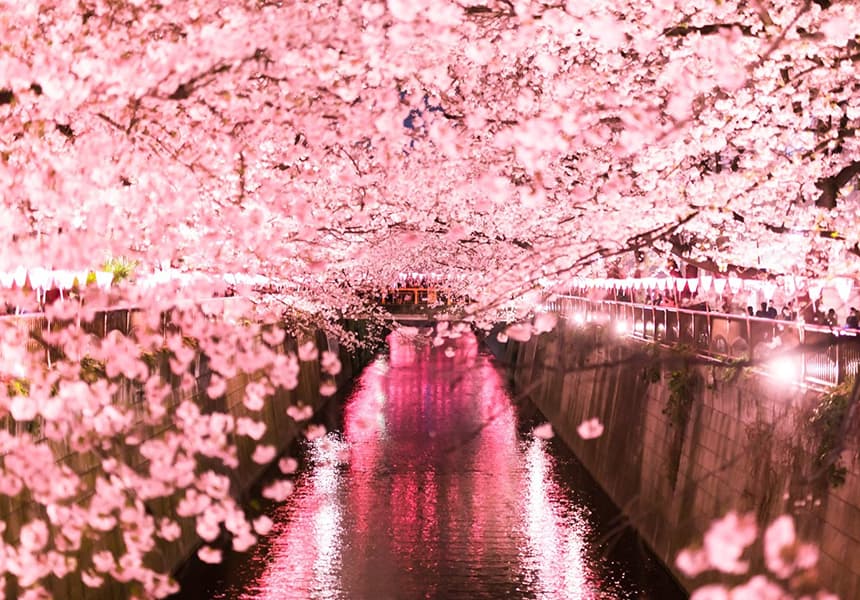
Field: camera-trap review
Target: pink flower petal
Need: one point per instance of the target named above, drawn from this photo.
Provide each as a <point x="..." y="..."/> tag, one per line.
<point x="590" y="429"/>
<point x="209" y="555"/>
<point x="543" y="431"/>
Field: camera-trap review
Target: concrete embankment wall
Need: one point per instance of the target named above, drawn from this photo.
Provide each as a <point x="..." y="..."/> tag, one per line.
<point x="686" y="441"/>
<point x="281" y="431"/>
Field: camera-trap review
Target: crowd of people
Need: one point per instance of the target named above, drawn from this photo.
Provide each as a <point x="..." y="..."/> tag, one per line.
<point x="811" y="312"/>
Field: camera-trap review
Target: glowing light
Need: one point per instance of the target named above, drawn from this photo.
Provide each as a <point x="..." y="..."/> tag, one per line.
<point x="785" y="368"/>
<point x="579" y="318"/>
<point x="621" y="327"/>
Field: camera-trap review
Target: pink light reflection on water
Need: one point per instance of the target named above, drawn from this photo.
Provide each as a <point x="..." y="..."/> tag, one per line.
<point x="430" y="493"/>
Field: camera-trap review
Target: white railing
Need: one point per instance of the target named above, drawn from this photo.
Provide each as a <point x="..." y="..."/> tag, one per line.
<point x="820" y="355"/>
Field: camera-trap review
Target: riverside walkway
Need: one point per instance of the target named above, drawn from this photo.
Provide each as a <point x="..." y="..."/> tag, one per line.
<point x="806" y="353"/>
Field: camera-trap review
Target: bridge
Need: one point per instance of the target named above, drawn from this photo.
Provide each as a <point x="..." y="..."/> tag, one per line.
<point x="419" y="306"/>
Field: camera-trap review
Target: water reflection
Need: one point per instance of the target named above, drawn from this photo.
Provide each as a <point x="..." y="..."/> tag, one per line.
<point x="433" y="490"/>
<point x="305" y="551"/>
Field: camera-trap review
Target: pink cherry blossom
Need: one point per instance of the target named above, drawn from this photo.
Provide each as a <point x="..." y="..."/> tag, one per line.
<point x="243" y="541"/>
<point x="209" y="555"/>
<point x="692" y="562"/>
<point x="590" y="429"/>
<point x="313" y="432"/>
<point x="758" y="588"/>
<point x="711" y="592"/>
<point x="274" y="336"/>
<point x="307" y="352"/>
<point x="727" y="539"/>
<point x="278" y="490"/>
<point x="34" y="535"/>
<point x="302" y="413"/>
<point x="208" y="528"/>
<point x="545" y="322"/>
<point x="169" y="530"/>
<point x="92" y="580"/>
<point x="255" y="394"/>
<point x="330" y="363"/>
<point x="264" y="454"/>
<point x="251" y="428"/>
<point x="543" y="431"/>
<point x="263" y="525"/>
<point x="217" y="387"/>
<point x="783" y="553"/>
<point x="288" y="465"/>
<point x="519" y="332"/>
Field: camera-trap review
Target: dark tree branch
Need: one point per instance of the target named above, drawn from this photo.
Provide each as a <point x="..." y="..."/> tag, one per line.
<point x="830" y="186"/>
<point x="710" y="29"/>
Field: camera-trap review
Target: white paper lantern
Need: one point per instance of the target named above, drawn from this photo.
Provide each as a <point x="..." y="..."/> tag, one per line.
<point x="40" y="279"/>
<point x="104" y="279"/>
<point x="735" y="284"/>
<point x="20" y="276"/>
<point x="65" y="279"/>
<point x="815" y="289"/>
<point x="768" y="289"/>
<point x="752" y="299"/>
<point x="844" y="285"/>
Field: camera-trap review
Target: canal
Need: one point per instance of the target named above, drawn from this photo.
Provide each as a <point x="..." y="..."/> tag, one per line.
<point x="431" y="484"/>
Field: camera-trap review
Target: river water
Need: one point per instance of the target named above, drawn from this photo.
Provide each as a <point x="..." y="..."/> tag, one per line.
<point x="431" y="484"/>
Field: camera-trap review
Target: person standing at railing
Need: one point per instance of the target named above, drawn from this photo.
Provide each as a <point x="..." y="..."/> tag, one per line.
<point x="771" y="312"/>
<point x="853" y="319"/>
<point x="831" y="319"/>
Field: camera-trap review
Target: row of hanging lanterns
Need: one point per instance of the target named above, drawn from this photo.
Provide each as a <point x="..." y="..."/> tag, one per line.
<point x="704" y="284"/>
<point x="41" y="279"/>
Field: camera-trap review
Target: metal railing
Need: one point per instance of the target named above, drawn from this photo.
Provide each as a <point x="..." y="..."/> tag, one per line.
<point x="123" y="318"/>
<point x="819" y="354"/>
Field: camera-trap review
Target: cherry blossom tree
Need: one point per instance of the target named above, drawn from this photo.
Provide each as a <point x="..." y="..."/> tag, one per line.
<point x="331" y="145"/>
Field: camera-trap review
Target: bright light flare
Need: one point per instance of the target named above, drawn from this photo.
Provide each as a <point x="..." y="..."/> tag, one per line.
<point x="785" y="368"/>
<point x="621" y="327"/>
<point x="579" y="318"/>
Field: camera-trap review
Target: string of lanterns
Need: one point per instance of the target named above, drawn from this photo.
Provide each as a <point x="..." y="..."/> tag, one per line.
<point x="41" y="279"/>
<point x="704" y="284"/>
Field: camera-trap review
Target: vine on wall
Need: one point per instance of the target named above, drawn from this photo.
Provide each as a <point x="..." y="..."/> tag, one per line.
<point x="682" y="385"/>
<point x="827" y="426"/>
<point x="652" y="372"/>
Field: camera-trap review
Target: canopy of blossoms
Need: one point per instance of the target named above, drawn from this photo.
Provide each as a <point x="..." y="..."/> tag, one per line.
<point x="504" y="140"/>
<point x="500" y="144"/>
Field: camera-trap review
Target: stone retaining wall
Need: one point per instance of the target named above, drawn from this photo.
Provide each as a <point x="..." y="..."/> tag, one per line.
<point x="742" y="442"/>
<point x="281" y="431"/>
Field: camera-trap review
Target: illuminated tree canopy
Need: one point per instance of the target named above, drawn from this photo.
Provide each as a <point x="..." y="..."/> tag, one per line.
<point x="318" y="143"/>
<point x="500" y="140"/>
